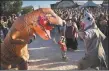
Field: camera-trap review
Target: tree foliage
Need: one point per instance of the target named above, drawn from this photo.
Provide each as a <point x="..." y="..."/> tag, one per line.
<point x="27" y="9"/>
<point x="10" y="6"/>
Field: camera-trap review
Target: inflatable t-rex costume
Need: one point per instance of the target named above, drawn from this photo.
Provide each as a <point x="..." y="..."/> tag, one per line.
<point x="14" y="48"/>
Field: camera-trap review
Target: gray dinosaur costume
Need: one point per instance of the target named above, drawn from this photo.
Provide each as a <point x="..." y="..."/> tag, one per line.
<point x="92" y="37"/>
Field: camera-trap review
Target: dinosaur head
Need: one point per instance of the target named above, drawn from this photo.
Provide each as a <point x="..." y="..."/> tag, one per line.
<point x="47" y="19"/>
<point x="87" y="20"/>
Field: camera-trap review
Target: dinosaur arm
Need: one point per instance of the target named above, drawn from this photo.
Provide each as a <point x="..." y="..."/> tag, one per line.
<point x="15" y="38"/>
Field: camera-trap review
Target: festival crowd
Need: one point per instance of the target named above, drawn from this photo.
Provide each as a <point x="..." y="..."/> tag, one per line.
<point x="5" y="24"/>
<point x="72" y="16"/>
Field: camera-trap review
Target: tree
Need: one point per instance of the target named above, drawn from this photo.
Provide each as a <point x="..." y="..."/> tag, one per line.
<point x="27" y="9"/>
<point x="10" y="6"/>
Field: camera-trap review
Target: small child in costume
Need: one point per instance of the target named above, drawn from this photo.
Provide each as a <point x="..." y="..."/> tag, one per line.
<point x="63" y="47"/>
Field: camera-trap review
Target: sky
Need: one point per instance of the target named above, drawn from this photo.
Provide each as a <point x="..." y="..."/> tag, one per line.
<point x="36" y="4"/>
<point x="46" y="3"/>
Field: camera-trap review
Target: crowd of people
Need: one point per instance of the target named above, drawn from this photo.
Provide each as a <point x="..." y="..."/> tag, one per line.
<point x="5" y="24"/>
<point x="74" y="16"/>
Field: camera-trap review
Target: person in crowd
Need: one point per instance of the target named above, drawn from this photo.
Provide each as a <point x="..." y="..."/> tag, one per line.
<point x="4" y="22"/>
<point x="70" y="34"/>
<point x="14" y="17"/>
<point x="9" y="22"/>
<point x="1" y="29"/>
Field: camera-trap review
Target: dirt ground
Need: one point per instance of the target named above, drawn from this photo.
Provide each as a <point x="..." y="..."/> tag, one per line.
<point x="46" y="55"/>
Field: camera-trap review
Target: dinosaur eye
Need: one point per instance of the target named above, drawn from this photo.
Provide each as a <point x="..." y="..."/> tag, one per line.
<point x="85" y="14"/>
<point x="48" y="15"/>
<point x="89" y="18"/>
